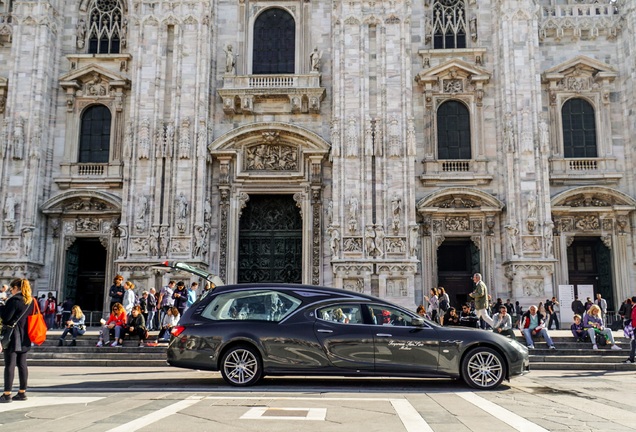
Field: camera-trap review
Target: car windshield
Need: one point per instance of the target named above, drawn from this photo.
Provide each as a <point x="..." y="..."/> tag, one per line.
<point x="254" y="305"/>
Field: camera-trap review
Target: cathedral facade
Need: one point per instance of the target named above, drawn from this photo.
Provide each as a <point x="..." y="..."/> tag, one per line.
<point x="384" y="147"/>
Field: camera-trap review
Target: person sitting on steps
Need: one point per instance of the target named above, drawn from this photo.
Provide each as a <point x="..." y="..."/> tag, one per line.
<point x="115" y="324"/>
<point x="593" y="323"/>
<point x="578" y="331"/>
<point x="75" y="326"/>
<point x="532" y="324"/>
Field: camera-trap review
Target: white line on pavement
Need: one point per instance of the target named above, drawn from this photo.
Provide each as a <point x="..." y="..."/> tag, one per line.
<point x="157" y="415"/>
<point x="412" y="420"/>
<point x="517" y="422"/>
<point x="46" y="401"/>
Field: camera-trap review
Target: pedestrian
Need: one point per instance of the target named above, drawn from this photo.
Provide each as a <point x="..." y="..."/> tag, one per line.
<point x="578" y="308"/>
<point x="480" y="296"/>
<point x="503" y="323"/>
<point x="129" y="297"/>
<point x="593" y="323"/>
<point x="135" y="326"/>
<point x="165" y="300"/>
<point x="630" y="333"/>
<point x="602" y="304"/>
<point x="553" y="314"/>
<point x="433" y="305"/>
<point x="588" y="304"/>
<point x="625" y="311"/>
<point x="67" y="308"/>
<point x="4" y="294"/>
<point x="15" y="313"/>
<point x="192" y="295"/>
<point x="75" y="325"/>
<point x="116" y="291"/>
<point x="180" y="297"/>
<point x="152" y="309"/>
<point x="207" y="289"/>
<point x="50" y="310"/>
<point x="532" y="324"/>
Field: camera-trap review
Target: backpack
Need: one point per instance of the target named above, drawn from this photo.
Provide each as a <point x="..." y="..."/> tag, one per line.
<point x="443" y="304"/>
<point x="600" y="339"/>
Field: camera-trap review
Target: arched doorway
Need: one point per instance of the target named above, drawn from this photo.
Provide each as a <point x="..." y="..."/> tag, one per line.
<point x="457" y="260"/>
<point x="589" y="263"/>
<point x="85" y="274"/>
<point x="270" y="240"/>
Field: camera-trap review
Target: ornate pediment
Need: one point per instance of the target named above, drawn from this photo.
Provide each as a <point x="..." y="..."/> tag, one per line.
<point x="589" y="198"/>
<point x="83" y="202"/>
<point x="579" y="74"/>
<point x="453" y="76"/>
<point x="93" y="81"/>
<point x="459" y="199"/>
<point x="272" y="150"/>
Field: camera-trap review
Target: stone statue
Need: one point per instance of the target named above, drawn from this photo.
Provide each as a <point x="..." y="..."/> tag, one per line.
<point x="353" y="213"/>
<point x="182" y="206"/>
<point x="330" y="212"/>
<point x="200" y="241"/>
<point x="164" y="240"/>
<point x="230" y="60"/>
<point x="544" y="135"/>
<point x="548" y="236"/>
<point x="122" y="244"/>
<point x="207" y="211"/>
<point x="80" y="34"/>
<point x="369" y="240"/>
<point x="413" y="240"/>
<point x="315" y="57"/>
<point x="512" y="231"/>
<point x="532" y="206"/>
<point x="153" y="242"/>
<point x="9" y="207"/>
<point x="334" y="242"/>
<point x="396" y="207"/>
<point x="27" y="240"/>
<point x="379" y="240"/>
<point x="142" y="207"/>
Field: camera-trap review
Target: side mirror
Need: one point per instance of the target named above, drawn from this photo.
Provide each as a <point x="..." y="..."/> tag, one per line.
<point x="417" y="322"/>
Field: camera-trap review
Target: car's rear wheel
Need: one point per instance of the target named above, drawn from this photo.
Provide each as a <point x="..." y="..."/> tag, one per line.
<point x="241" y="366"/>
<point x="483" y="368"/>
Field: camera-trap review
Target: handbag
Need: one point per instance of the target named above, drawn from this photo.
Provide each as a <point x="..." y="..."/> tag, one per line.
<point x="7" y="332"/>
<point x="36" y="326"/>
<point x="5" y="336"/>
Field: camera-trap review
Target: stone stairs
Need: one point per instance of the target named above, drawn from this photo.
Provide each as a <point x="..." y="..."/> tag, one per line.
<point x="569" y="355"/>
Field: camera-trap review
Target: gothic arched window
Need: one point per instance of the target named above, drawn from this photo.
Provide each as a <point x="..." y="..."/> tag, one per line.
<point x="453" y="131"/>
<point x="579" y="129"/>
<point x="105" y="27"/>
<point x="94" y="145"/>
<point x="449" y="24"/>
<point x="274" y="43"/>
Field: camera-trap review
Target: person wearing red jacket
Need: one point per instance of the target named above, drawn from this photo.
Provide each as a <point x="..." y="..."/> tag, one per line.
<point x="115" y="324"/>
<point x="632" y="342"/>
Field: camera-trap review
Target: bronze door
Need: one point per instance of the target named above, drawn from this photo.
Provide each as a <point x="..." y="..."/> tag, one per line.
<point x="270" y="240"/>
<point x="457" y="261"/>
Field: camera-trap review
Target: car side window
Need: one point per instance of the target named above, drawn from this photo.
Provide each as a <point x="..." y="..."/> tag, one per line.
<point x="253" y="305"/>
<point x="342" y="313"/>
<point x="386" y="315"/>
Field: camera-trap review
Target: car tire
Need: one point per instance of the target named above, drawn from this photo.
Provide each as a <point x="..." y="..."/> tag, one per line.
<point x="241" y="366"/>
<point x="483" y="368"/>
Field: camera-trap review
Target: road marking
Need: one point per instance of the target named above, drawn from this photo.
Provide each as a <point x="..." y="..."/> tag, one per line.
<point x="517" y="422"/>
<point x="411" y="419"/>
<point x="157" y="415"/>
<point x="46" y="401"/>
<point x="267" y="413"/>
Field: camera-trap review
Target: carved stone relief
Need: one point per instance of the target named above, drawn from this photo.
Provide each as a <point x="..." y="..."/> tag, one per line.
<point x="396" y="288"/>
<point x="457" y="223"/>
<point x="352" y="244"/>
<point x="531" y="243"/>
<point x="587" y="223"/>
<point x="395" y="245"/>
<point x="277" y="157"/>
<point x="533" y="287"/>
<point x="355" y="285"/>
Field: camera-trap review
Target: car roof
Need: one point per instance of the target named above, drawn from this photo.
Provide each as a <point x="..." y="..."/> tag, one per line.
<point x="283" y="287"/>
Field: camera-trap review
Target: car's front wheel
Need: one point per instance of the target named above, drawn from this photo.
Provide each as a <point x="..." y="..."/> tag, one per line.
<point x="483" y="368"/>
<point x="241" y="366"/>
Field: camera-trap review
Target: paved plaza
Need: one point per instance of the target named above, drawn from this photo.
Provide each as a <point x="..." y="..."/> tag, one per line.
<point x="137" y="399"/>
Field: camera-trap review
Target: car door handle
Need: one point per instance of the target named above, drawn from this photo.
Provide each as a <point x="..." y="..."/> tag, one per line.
<point x="383" y="335"/>
<point x="324" y="331"/>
